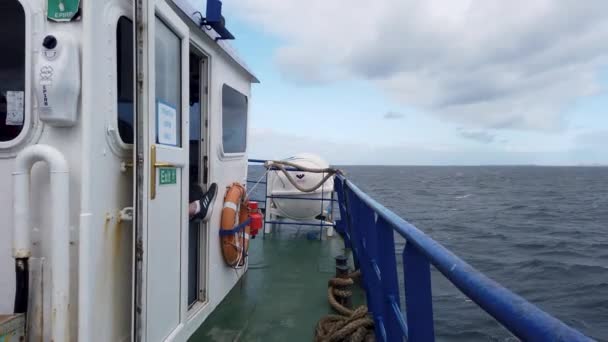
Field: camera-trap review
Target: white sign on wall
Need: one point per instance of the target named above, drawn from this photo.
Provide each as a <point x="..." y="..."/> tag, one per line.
<point x="15" y="101"/>
<point x="166" y="124"/>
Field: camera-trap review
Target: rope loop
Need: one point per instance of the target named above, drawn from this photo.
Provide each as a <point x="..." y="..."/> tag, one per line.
<point x="350" y="325"/>
<point x="281" y="166"/>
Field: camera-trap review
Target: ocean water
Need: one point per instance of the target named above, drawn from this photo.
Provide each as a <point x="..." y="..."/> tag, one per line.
<point x="540" y="231"/>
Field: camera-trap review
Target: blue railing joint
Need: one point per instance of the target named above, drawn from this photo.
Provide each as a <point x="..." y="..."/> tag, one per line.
<point x="398" y="315"/>
<point x="374" y="265"/>
<point x="380" y="327"/>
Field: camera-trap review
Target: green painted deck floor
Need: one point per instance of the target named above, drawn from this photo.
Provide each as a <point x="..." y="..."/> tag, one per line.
<point x="282" y="295"/>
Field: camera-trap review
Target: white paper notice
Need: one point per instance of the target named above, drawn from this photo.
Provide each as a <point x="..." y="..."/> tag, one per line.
<point x="15" y="101"/>
<point x="167" y="125"/>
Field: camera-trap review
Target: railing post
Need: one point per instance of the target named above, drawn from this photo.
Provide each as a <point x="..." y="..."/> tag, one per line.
<point x="352" y="232"/>
<point x="266" y="206"/>
<point x="357" y="236"/>
<point x="372" y="274"/>
<point x="342" y="225"/>
<point x="418" y="297"/>
<point x="322" y="213"/>
<point x="390" y="283"/>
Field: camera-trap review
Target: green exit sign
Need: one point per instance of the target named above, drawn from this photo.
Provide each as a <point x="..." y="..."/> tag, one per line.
<point x="167" y="176"/>
<point x="62" y="10"/>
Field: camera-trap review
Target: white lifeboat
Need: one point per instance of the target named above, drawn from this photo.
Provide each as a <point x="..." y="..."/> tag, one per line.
<point x="289" y="202"/>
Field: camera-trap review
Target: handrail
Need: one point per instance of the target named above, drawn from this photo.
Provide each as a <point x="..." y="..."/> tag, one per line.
<point x="368" y="228"/>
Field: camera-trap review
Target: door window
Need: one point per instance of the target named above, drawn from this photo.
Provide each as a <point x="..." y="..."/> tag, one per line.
<point x="168" y="85"/>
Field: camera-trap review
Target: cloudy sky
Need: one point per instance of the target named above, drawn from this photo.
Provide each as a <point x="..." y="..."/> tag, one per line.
<point x="427" y="82"/>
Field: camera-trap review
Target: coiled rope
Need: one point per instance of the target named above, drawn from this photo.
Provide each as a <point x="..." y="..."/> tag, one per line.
<point x="281" y="166"/>
<point x="350" y="325"/>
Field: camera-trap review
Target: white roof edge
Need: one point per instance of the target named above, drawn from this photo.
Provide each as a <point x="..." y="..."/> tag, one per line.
<point x="191" y="12"/>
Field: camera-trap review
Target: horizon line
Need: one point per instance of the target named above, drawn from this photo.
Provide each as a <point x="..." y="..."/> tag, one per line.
<point x="477" y="165"/>
<point x="473" y="165"/>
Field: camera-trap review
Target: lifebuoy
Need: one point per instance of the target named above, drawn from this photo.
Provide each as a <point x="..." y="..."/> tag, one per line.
<point x="234" y="238"/>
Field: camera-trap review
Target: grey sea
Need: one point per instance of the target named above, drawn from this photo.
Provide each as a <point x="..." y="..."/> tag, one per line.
<point x="540" y="231"/>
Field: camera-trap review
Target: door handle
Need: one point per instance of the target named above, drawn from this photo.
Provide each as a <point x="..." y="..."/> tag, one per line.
<point x="153" y="166"/>
<point x="161" y="164"/>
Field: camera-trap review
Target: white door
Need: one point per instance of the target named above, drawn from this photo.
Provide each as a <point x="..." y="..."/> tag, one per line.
<point x="162" y="222"/>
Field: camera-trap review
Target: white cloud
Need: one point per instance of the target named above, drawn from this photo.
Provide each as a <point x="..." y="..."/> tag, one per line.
<point x="477" y="135"/>
<point x="594" y="139"/>
<point x="393" y="115"/>
<point x="490" y="63"/>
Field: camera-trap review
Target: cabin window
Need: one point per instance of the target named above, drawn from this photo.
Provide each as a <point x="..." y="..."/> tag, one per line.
<point x="234" y="120"/>
<point x="124" y="79"/>
<point x="12" y="70"/>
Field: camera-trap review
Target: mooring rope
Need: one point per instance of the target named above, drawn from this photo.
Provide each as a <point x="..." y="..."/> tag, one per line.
<point x="351" y="325"/>
<point x="256" y="184"/>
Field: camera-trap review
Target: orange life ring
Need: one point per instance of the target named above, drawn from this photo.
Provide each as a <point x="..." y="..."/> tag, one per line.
<point x="235" y="245"/>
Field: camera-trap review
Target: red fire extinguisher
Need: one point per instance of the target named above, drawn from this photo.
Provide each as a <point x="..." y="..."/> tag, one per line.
<point x="256" y="219"/>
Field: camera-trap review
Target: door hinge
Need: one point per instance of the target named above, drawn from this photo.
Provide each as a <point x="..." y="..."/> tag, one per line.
<point x="205" y="169"/>
<point x="139" y="251"/>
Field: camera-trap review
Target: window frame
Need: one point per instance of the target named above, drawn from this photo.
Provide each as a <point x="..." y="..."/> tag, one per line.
<point x="30" y="120"/>
<point x="122" y="143"/>
<point x="223" y="153"/>
<point x="113" y="13"/>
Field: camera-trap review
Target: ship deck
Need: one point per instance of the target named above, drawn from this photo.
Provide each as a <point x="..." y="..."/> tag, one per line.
<point x="284" y="292"/>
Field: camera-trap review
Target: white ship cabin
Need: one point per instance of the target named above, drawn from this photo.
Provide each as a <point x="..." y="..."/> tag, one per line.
<point x="109" y="111"/>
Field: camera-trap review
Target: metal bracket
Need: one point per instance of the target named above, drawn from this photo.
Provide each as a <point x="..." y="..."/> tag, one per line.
<point x="125" y="214"/>
<point x="125" y="166"/>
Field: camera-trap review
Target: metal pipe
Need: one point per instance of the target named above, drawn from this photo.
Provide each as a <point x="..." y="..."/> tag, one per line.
<point x="85" y="282"/>
<point x="303" y="198"/>
<point x="300" y="223"/>
<point x="257" y="161"/>
<point x="522" y="318"/>
<point x="59" y="175"/>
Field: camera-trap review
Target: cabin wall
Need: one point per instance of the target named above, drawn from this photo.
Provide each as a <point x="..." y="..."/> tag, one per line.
<point x="98" y="188"/>
<point x="108" y="255"/>
<point x="101" y="244"/>
<point x="67" y="141"/>
<point x="33" y="12"/>
<point x="225" y="170"/>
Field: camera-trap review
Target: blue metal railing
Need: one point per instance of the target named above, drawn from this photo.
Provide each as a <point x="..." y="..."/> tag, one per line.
<point x="368" y="229"/>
